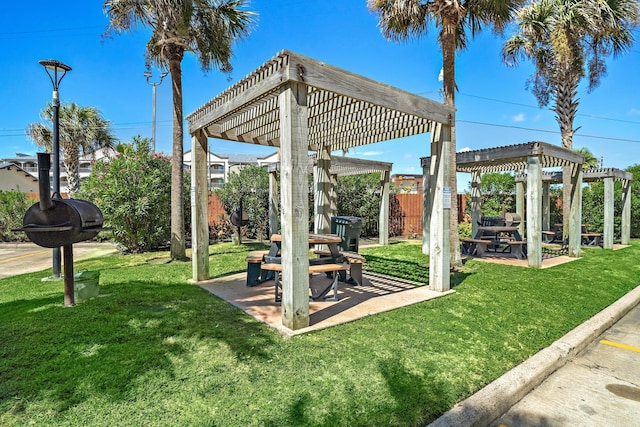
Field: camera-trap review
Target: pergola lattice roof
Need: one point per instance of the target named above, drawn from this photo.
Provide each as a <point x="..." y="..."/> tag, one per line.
<point x="344" y="166"/>
<point x="345" y="110"/>
<point x="588" y="175"/>
<point x="513" y="158"/>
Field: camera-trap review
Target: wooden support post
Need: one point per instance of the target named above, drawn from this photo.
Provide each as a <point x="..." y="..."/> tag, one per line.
<point x="295" y="205"/>
<point x="426" y="208"/>
<point x="546" y="206"/>
<point x="439" y="244"/>
<point x="520" y="197"/>
<point x="625" y="234"/>
<point x="534" y="212"/>
<point x="383" y="227"/>
<point x="199" y="207"/>
<point x="476" y="201"/>
<point x="575" y="211"/>
<point x="607" y="235"/>
<point x="69" y="285"/>
<point x="333" y="211"/>
<point x="322" y="186"/>
<point x="274" y="213"/>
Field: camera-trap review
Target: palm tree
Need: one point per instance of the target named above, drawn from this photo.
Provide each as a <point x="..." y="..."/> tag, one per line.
<point x="568" y="40"/>
<point x="83" y="131"/>
<point x="403" y="19"/>
<point x="207" y="28"/>
<point x="590" y="161"/>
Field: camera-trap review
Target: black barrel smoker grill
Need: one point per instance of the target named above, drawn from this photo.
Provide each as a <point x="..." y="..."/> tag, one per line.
<point x="56" y="222"/>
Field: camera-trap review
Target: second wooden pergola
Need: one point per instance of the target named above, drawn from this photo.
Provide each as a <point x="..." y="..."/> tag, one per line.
<point x="531" y="157"/>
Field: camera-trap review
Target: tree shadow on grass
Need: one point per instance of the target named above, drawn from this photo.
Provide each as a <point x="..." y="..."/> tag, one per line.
<point x="413" y="401"/>
<point x="108" y="345"/>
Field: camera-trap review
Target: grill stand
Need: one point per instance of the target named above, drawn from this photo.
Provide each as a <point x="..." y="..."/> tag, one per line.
<point x="69" y="297"/>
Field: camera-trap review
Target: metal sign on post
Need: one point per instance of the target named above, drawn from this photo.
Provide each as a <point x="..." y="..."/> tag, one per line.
<point x="446" y="197"/>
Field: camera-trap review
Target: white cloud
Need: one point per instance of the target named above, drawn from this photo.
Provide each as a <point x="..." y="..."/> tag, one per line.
<point x="369" y="153"/>
<point x="411" y="170"/>
<point x="634" y="112"/>
<point x="464" y="150"/>
<point x="408" y="156"/>
<point x="519" y="118"/>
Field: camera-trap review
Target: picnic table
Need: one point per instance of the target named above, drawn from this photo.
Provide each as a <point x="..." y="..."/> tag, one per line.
<point x="267" y="264"/>
<point x="587" y="237"/>
<point x="496" y="237"/>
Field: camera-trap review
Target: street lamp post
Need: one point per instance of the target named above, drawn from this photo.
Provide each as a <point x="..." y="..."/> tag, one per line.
<point x="148" y="75"/>
<point x="56" y="71"/>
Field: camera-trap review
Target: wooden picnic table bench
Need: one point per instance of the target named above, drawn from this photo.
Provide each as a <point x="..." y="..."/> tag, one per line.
<point x="355" y="261"/>
<point x="478" y="247"/>
<point x="317" y="293"/>
<point x="591" y="239"/>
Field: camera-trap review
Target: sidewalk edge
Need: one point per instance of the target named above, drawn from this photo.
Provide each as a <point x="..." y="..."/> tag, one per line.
<point x="497" y="397"/>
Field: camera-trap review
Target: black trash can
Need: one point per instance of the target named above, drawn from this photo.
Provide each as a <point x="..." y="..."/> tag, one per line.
<point x="349" y="229"/>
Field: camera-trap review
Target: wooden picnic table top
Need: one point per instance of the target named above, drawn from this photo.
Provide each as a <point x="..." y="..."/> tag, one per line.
<point x="498" y="228"/>
<point x="315" y="239"/>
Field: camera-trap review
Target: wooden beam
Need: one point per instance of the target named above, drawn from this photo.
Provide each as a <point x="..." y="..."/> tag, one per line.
<point x="295" y="206"/>
<point x="546" y="205"/>
<point x="322" y="185"/>
<point x="607" y="235"/>
<point x="274" y="212"/>
<point x="534" y="212"/>
<point x="199" y="207"/>
<point x="520" y="206"/>
<point x="476" y="201"/>
<point x="626" y="213"/>
<point x="330" y="78"/>
<point x="575" y="212"/>
<point x="266" y="79"/>
<point x="439" y="251"/>
<point x="383" y="228"/>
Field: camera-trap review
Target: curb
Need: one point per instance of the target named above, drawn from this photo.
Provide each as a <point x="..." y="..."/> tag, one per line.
<point x="496" y="398"/>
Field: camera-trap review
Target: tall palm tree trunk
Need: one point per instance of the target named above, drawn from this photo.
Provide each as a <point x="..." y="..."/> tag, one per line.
<point x="565" y="108"/>
<point x="178" y="246"/>
<point x="448" y="47"/>
<point x="72" y="166"/>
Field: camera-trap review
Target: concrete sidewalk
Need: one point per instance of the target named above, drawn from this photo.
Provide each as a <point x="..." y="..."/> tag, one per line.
<point x="26" y="257"/>
<point x="497" y="403"/>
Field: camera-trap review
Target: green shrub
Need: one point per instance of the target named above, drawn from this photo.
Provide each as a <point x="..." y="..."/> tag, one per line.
<point x="133" y="191"/>
<point x="251" y="184"/>
<point x="13" y="206"/>
<point x="359" y="195"/>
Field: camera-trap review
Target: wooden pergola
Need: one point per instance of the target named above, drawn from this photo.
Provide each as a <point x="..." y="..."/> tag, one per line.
<point x="325" y="196"/>
<point x="531" y="157"/>
<point x="608" y="176"/>
<point x="300" y="104"/>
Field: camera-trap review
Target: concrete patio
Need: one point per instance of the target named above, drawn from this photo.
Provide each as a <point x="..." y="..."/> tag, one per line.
<point x="379" y="294"/>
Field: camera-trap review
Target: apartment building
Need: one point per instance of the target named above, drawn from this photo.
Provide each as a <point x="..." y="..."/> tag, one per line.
<point x="220" y="166"/>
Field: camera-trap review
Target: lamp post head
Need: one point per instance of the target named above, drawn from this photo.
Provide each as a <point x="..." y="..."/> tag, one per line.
<point x="56" y="71"/>
<point x="148" y="75"/>
<point x="54" y="65"/>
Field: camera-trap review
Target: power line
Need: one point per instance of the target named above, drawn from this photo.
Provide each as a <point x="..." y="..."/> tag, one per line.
<point x="536" y="107"/>
<point x="547" y="131"/>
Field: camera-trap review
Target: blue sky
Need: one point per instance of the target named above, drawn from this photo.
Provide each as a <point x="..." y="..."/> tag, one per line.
<point x="494" y="107"/>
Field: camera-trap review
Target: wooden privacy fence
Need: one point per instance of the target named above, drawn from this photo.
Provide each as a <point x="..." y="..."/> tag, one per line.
<point x="408" y="212"/>
<point x="411" y="211"/>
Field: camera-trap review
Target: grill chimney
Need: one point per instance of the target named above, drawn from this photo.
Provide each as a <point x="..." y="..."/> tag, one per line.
<point x="44" y="182"/>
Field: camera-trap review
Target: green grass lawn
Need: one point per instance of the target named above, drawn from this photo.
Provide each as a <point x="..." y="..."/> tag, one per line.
<point x="153" y="350"/>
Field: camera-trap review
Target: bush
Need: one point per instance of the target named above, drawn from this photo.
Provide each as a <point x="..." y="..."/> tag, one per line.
<point x="133" y="191"/>
<point x="359" y="195"/>
<point x="13" y="206"/>
<point x="251" y="184"/>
